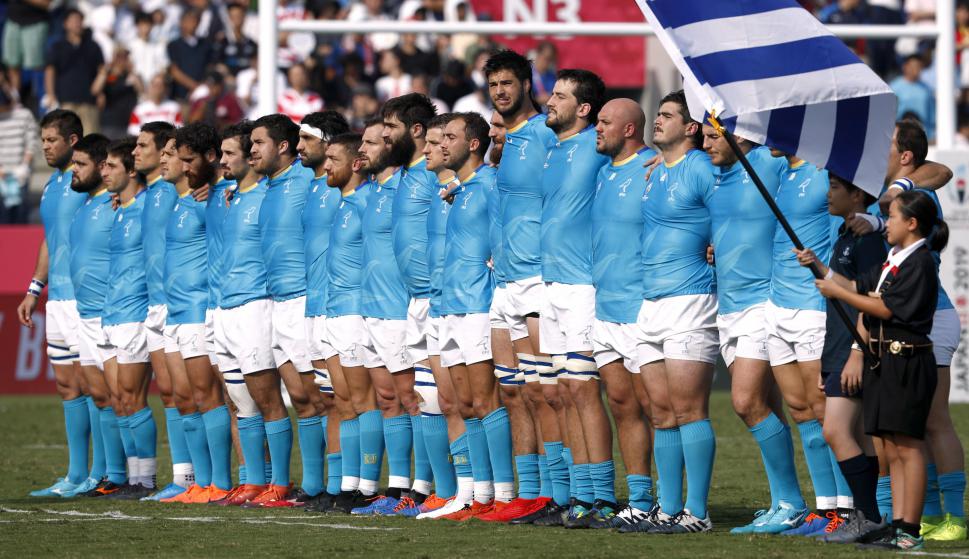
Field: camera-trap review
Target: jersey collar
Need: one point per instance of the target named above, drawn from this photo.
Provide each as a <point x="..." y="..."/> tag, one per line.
<point x="631" y="157"/>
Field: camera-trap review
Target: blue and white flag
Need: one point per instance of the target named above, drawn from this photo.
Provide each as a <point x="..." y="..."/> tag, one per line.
<point x="772" y="73"/>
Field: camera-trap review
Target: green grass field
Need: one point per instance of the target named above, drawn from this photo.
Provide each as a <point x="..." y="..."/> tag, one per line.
<point x="33" y="453"/>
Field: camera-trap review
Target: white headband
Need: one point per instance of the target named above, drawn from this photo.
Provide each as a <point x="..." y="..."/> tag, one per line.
<point x="313" y="131"/>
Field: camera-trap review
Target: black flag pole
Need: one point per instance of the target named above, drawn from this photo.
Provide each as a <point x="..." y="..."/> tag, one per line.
<point x="790" y="233"/>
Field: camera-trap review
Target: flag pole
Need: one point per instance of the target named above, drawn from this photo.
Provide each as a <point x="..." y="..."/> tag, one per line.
<point x="815" y="269"/>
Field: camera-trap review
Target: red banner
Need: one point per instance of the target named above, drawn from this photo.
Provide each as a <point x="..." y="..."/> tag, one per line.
<point x="619" y="60"/>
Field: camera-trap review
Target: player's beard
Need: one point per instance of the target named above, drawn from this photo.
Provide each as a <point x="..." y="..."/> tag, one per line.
<point x="495" y="154"/>
<point x="514" y="108"/>
<point x="375" y="166"/>
<point x="401" y="151"/>
<point x="563" y="121"/>
<point x="457" y="160"/>
<point x="612" y="150"/>
<point x="205" y="176"/>
<point x="90" y="185"/>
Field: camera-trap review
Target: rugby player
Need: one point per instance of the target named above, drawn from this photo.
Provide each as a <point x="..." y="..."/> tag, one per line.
<point x="617" y="227"/>
<point x="59" y="131"/>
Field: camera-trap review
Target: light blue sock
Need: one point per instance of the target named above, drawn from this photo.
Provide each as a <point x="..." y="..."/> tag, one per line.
<point x="773" y="437"/>
<point x="198" y="448"/>
<point x="334" y="472"/>
<point x="640" y="491"/>
<point x="668" y="453"/>
<point x="604" y="480"/>
<point x="242" y="474"/>
<point x="818" y="463"/>
<point x="462" y="461"/>
<point x="176" y="437"/>
<point x="279" y="435"/>
<point x="324" y="421"/>
<point x="953" y="488"/>
<point x="478" y="450"/>
<point x="310" y="432"/>
<point x="528" y="476"/>
<point x="350" y="447"/>
<point x="399" y="438"/>
<point x="218" y="433"/>
<point x="497" y="428"/>
<point x="933" y="500"/>
<point x="570" y="463"/>
<point x="840" y="483"/>
<point x="371" y="445"/>
<point x="252" y="438"/>
<point x="77" y="425"/>
<point x="267" y="465"/>
<point x="883" y="494"/>
<point x="585" y="489"/>
<point x="98" y="467"/>
<point x="558" y="471"/>
<point x="114" y="456"/>
<point x="699" y="450"/>
<point x="439" y="454"/>
<point x="544" y="476"/>
<point x="142" y="424"/>
<point x="127" y="437"/>
<point x="422" y="462"/>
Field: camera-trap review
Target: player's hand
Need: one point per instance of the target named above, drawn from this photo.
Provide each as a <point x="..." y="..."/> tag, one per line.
<point x="447" y="194"/>
<point x="852" y="374"/>
<point x="807" y="257"/>
<point x="829" y="288"/>
<point x="201" y="194"/>
<point x="711" y="258"/>
<point x="25" y="310"/>
<point x="115" y="201"/>
<point x="652" y="164"/>
<point x="820" y="382"/>
<point x="859" y="225"/>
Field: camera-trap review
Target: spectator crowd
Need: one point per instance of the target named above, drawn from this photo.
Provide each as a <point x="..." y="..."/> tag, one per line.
<point x="120" y="63"/>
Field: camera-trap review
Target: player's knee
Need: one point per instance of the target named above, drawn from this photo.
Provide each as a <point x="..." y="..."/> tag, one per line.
<point x="625" y="407"/>
<point x="749" y="407"/>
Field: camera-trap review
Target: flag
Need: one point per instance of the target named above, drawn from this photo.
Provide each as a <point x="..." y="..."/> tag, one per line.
<point x="773" y="74"/>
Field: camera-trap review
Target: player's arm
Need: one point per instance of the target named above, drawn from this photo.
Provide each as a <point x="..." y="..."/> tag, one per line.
<point x="37" y="283"/>
<point x="807" y="257"/>
<point x="930" y="176"/>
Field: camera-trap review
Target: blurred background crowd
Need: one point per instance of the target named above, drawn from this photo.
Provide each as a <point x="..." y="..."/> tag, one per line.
<point x="120" y="63"/>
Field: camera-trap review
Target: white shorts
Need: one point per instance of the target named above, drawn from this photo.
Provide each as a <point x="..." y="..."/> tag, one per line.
<point x="155" y="327"/>
<point x="499" y="306"/>
<point x="61" y="325"/>
<point x="418" y="326"/>
<point x="465" y="338"/>
<point x="566" y="319"/>
<point x="316" y="338"/>
<point x="794" y="335"/>
<point x="218" y="334"/>
<point x="247" y="334"/>
<point x="523" y="297"/>
<point x="187" y="339"/>
<point x="92" y="344"/>
<point x="128" y="342"/>
<point x="210" y="345"/>
<point x="612" y="341"/>
<point x="945" y="335"/>
<point x="386" y="345"/>
<point x="348" y="336"/>
<point x="682" y="327"/>
<point x="434" y="335"/>
<point x="743" y="334"/>
<point x="289" y="334"/>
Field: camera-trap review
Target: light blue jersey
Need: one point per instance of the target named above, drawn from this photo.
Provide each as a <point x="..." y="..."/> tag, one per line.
<point x="127" y="296"/>
<point x="617" y="231"/>
<point x="186" y="262"/>
<point x="91" y="253"/>
<point x="520" y="187"/>
<point x="383" y="292"/>
<point x="568" y="187"/>
<point x="943" y="302"/>
<point x="322" y="203"/>
<point x="215" y="210"/>
<point x="243" y="269"/>
<point x="281" y="223"/>
<point x="436" y="235"/>
<point x="159" y="201"/>
<point x="344" y="262"/>
<point x="803" y="198"/>
<point x="498" y="263"/>
<point x="743" y="230"/>
<point x="468" y="284"/>
<point x="58" y="205"/>
<point x="412" y="203"/>
<point x="677" y="229"/>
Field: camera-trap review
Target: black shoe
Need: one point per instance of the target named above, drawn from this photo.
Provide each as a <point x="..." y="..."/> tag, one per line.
<point x="301" y="497"/>
<point x="106" y="487"/>
<point x="654" y="519"/>
<point x="601" y="517"/>
<point x="319" y="503"/>
<point x="554" y="516"/>
<point x="129" y="492"/>
<point x="886" y="539"/>
<point x="418" y="497"/>
<point x="352" y="500"/>
<point x="550" y="509"/>
<point x="577" y="512"/>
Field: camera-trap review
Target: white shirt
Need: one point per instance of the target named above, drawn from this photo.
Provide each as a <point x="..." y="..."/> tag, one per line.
<point x="296" y="105"/>
<point x="150" y="58"/>
<point x="148" y="111"/>
<point x="389" y="87"/>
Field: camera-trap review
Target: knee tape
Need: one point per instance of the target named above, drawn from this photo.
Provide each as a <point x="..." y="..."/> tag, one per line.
<point x="426" y="388"/>
<point x="236" y="387"/>
<point x="548" y="372"/>
<point x="508" y="376"/>
<point x="60" y="354"/>
<point x="581" y="367"/>
<point x="528" y="367"/>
